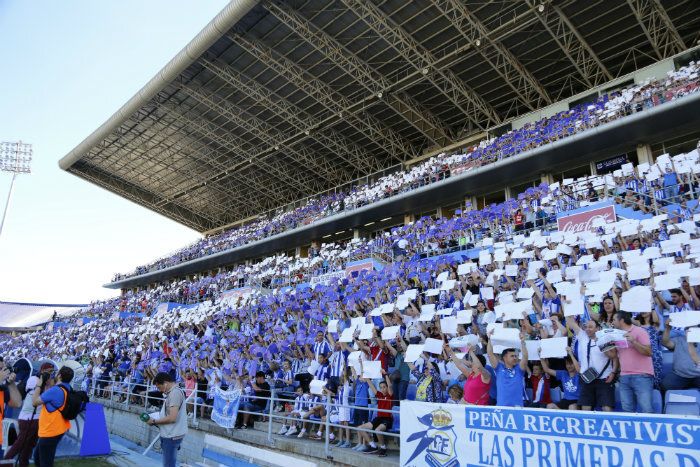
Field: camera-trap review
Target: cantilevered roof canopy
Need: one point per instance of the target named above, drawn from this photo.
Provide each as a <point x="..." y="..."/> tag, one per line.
<point x="278" y="100"/>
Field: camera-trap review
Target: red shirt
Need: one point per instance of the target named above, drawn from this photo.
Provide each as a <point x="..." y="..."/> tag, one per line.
<point x="544" y="397"/>
<point x="379" y="355"/>
<point x="383" y="404"/>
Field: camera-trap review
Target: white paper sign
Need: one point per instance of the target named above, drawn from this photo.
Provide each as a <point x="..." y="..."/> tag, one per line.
<point x="694" y="335"/>
<point x="507" y="337"/>
<point x="333" y="325"/>
<point x="525" y="293"/>
<point x="433" y="346"/>
<point x="389" y="332"/>
<point x="465" y="268"/>
<point x="554" y="347"/>
<point x="666" y="282"/>
<point x="533" y="350"/>
<point x="366" y="331"/>
<point x="685" y="319"/>
<point x="464" y="317"/>
<point x="316" y="386"/>
<point x="413" y="353"/>
<point x="486" y="293"/>
<point x="636" y="300"/>
<point x="346" y="335"/>
<point x="372" y="369"/>
<point x="448" y="325"/>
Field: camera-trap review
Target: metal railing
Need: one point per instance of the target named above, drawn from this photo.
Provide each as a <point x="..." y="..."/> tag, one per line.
<point x="277" y="397"/>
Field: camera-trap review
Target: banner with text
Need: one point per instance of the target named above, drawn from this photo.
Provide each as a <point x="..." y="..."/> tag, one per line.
<point x="583" y="220"/>
<point x="447" y="435"/>
<point x="225" y="408"/>
<point x="326" y="279"/>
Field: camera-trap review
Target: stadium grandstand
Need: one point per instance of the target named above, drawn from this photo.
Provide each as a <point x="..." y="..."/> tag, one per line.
<point x="22" y="316"/>
<point x="436" y="232"/>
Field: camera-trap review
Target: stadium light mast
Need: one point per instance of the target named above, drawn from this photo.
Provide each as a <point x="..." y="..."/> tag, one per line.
<point x="15" y="158"/>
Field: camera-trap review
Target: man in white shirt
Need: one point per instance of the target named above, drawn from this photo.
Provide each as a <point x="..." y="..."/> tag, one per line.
<point x="600" y="391"/>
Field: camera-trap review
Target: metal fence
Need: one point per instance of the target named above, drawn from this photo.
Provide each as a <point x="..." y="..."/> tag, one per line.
<point x="277" y="397"/>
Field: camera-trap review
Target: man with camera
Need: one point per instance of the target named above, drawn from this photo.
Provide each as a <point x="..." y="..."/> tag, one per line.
<point x="52" y="424"/>
<point x="172" y="418"/>
<point x="9" y="394"/>
<point x="28" y="426"/>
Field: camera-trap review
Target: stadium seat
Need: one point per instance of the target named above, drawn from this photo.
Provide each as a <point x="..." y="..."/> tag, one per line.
<point x="411" y="392"/>
<point x="372" y="411"/>
<point x="397" y="423"/>
<point x="556" y="394"/>
<point x="682" y="405"/>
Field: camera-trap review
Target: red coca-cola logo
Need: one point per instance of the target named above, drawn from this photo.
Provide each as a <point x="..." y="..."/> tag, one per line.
<point x="587" y="220"/>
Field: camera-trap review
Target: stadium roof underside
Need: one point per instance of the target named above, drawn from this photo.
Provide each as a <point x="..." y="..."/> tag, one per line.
<point x="278" y="100"/>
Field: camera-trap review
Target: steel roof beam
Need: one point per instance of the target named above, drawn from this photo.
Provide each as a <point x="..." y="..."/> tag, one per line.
<point x="571" y="42"/>
<point x="476" y="109"/>
<point x="141" y="196"/>
<point x="528" y="89"/>
<point x="354" y="156"/>
<point x="211" y="132"/>
<point x="658" y="27"/>
<point x="261" y="130"/>
<point x="143" y="145"/>
<point x="421" y="119"/>
<point x="232" y="144"/>
<point x="339" y="105"/>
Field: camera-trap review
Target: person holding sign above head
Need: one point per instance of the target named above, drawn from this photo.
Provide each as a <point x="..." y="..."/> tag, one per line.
<point x="686" y="362"/>
<point x="510" y="374"/>
<point x="429" y="383"/>
<point x="384" y="419"/>
<point x="478" y="384"/>
<point x="569" y="379"/>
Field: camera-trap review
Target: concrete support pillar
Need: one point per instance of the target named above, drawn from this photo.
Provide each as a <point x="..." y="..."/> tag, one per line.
<point x="439" y="212"/>
<point x="297" y="252"/>
<point x="644" y="154"/>
<point x="470" y="203"/>
<point x="508" y="192"/>
<point x="356" y="233"/>
<point x="547" y="178"/>
<point x="594" y="171"/>
<point x="408" y="218"/>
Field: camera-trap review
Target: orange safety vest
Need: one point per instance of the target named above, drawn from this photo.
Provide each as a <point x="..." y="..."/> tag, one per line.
<point x="53" y="424"/>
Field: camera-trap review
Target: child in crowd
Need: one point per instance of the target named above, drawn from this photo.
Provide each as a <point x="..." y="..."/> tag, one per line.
<point x="301" y="407"/>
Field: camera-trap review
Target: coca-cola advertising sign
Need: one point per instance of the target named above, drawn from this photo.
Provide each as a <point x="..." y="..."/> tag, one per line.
<point x="586" y="220"/>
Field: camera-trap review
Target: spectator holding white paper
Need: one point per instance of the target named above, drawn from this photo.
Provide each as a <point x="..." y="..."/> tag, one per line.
<point x="686" y="364"/>
<point x="510" y="375"/>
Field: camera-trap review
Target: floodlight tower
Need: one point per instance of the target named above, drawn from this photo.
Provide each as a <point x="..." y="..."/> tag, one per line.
<point x="15" y="158"/>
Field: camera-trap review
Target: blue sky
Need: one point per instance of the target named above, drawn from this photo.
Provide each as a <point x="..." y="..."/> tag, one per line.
<point x="66" y="66"/>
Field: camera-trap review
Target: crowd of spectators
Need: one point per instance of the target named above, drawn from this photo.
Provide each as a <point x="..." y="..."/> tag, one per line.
<point x="606" y="108"/>
<point x="518" y="314"/>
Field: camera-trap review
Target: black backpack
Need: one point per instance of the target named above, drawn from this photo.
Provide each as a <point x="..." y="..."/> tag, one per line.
<point x="75" y="403"/>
